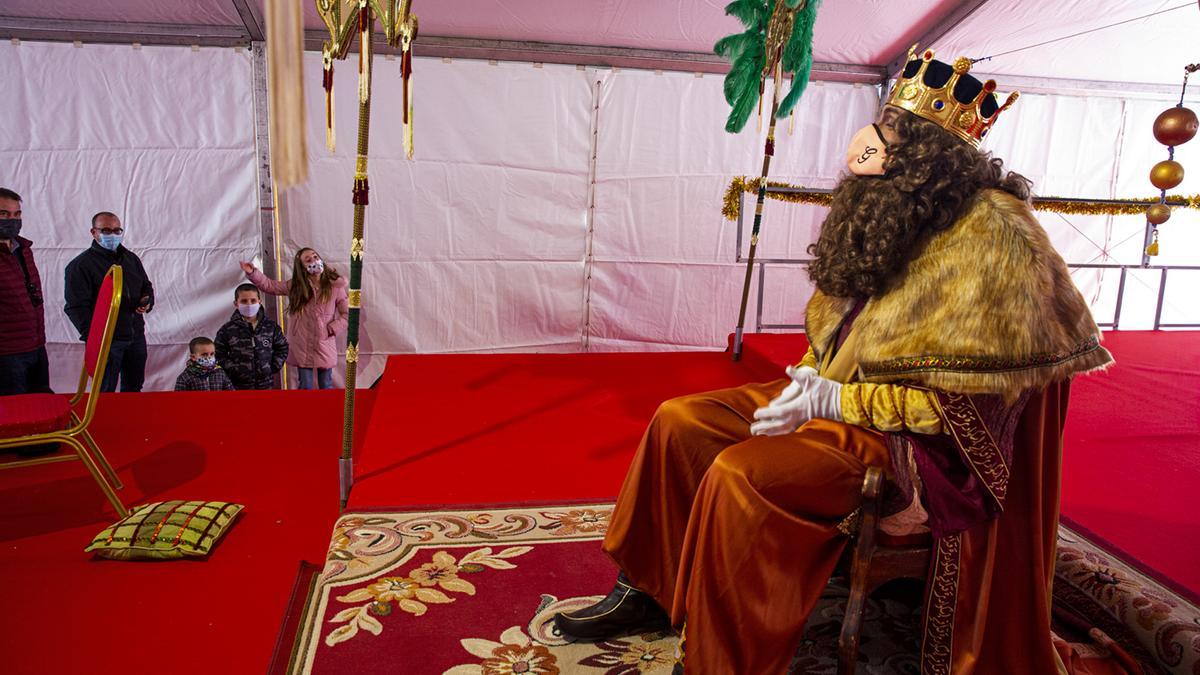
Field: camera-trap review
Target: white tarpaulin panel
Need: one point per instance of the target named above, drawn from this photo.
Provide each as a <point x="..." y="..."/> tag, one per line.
<point x="1103" y="147"/>
<point x="665" y="271"/>
<point x="476" y="244"/>
<point x="481" y="243"/>
<point x="164" y="138"/>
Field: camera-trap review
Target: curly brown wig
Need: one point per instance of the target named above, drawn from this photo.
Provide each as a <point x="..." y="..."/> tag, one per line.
<point x="876" y="222"/>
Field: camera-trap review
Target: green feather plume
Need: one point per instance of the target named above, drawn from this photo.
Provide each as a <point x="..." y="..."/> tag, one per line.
<point x="746" y="52"/>
<point x="797" y="55"/>
<point x="747" y="56"/>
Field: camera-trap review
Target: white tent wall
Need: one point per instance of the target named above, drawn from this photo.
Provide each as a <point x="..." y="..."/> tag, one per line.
<point x="476" y="244"/>
<point x="1102" y="147"/>
<point x="515" y="227"/>
<point x="163" y="137"/>
<point x="665" y="273"/>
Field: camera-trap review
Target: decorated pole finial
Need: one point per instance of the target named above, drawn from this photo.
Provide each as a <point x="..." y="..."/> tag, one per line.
<point x="777" y="39"/>
<point x="344" y="19"/>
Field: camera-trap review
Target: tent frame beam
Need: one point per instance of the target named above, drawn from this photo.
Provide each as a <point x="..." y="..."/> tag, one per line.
<point x="109" y="32"/>
<point x="612" y="57"/>
<point x="960" y="13"/>
<point x="251" y="18"/>
<point x="55" y="30"/>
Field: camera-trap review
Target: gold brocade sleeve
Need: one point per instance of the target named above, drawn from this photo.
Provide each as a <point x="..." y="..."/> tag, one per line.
<point x="891" y="407"/>
<point x="810" y="360"/>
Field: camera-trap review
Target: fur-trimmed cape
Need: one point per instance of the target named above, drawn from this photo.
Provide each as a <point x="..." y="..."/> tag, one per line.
<point x="987" y="307"/>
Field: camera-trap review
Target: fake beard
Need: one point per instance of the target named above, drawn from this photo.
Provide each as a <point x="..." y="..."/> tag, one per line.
<point x="867" y="237"/>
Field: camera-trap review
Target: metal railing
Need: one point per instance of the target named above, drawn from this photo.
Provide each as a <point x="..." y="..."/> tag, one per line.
<point x="762" y="263"/>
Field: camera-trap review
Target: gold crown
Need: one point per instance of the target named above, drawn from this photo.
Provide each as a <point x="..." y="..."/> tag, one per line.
<point x="947" y="96"/>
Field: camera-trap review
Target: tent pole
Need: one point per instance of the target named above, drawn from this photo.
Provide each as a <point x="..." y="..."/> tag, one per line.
<point x="269" y="226"/>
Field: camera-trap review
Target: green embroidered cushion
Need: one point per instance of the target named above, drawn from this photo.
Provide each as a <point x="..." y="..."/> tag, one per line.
<point x="166" y="530"/>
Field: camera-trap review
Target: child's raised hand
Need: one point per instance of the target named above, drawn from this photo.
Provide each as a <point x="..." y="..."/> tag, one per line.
<point x="248" y="268"/>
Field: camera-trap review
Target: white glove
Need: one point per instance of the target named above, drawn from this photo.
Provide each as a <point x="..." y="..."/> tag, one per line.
<point x="808" y="396"/>
<point x="800" y="377"/>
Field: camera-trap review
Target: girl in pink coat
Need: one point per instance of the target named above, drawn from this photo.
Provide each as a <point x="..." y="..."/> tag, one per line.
<point x="317" y="309"/>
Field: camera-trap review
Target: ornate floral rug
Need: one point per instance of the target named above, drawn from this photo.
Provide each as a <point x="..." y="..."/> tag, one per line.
<point x="473" y="591"/>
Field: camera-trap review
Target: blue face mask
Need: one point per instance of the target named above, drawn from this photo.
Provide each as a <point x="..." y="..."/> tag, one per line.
<point x="206" y="361"/>
<point x="110" y="241"/>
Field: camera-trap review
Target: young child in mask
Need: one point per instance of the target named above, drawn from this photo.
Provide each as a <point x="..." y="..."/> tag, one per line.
<point x="202" y="372"/>
<point x="250" y="347"/>
<point x="317" y="310"/>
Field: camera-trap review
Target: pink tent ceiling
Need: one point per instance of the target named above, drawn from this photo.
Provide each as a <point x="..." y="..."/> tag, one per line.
<point x="861" y="32"/>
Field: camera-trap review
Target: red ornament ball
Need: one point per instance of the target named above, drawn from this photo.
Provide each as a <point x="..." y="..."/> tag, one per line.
<point x="1175" y="126"/>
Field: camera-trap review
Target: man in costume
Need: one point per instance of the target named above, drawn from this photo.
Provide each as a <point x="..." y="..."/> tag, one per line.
<point x="943" y="335"/>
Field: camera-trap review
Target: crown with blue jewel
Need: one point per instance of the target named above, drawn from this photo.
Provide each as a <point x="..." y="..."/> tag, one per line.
<point x="948" y="96"/>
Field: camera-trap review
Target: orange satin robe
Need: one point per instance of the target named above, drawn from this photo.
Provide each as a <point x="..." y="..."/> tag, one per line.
<point x="738" y="533"/>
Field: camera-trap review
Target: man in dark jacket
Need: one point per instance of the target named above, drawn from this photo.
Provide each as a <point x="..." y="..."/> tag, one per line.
<point x="251" y="347"/>
<point x="24" y="368"/>
<point x="127" y="357"/>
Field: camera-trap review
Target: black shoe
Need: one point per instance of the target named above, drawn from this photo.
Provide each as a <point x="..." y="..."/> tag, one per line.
<point x="624" y="610"/>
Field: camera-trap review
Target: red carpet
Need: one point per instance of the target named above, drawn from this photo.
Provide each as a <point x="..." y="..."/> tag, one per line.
<point x="64" y="612"/>
<point x="470" y="430"/>
<point x="505" y="428"/>
<point x="472" y="589"/>
<point x="1131" y="466"/>
<point x="516" y="427"/>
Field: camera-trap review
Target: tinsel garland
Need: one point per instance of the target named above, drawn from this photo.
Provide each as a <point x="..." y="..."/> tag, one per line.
<point x="1053" y="204"/>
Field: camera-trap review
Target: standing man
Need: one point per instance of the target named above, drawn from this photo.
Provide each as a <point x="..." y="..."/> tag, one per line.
<point x="127" y="357"/>
<point x="24" y="368"/>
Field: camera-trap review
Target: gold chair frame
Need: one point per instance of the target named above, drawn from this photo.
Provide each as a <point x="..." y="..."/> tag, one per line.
<point x="98" y="464"/>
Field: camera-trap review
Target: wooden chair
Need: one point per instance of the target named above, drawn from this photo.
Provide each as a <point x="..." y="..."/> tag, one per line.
<point x="37" y="419"/>
<point x="875" y="559"/>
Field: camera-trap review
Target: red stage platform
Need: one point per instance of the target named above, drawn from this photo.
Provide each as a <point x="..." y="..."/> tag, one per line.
<point x="474" y="429"/>
<point x="517" y="427"/>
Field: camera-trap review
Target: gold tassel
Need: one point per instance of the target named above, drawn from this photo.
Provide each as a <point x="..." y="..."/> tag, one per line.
<point x="364" y="51"/>
<point x="792" y="122"/>
<point x="408" y="34"/>
<point x="1152" y="249"/>
<point x="327" y="68"/>
<point x="408" y="124"/>
<point x="406" y="72"/>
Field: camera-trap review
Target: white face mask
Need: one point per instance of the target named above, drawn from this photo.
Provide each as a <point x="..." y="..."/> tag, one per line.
<point x="315" y="267"/>
<point x="867" y="152"/>
<point x="249" y="310"/>
<point x="206" y="361"/>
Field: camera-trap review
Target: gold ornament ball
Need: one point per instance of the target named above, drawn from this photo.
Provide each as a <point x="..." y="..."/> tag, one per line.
<point x="1175" y="126"/>
<point x="1166" y="174"/>
<point x="1158" y="214"/>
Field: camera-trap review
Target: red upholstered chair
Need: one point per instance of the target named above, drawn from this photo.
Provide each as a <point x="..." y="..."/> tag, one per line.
<point x="36" y="419"/>
<point x="874" y="559"/>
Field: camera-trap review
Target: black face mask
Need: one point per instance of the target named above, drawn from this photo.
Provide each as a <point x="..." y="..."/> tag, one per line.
<point x="9" y="228"/>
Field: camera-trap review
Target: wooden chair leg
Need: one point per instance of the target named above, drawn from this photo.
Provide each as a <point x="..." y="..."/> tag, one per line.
<point x="102" y="460"/>
<point x="855" y="606"/>
<point x="864" y="548"/>
<point x="99" y="478"/>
